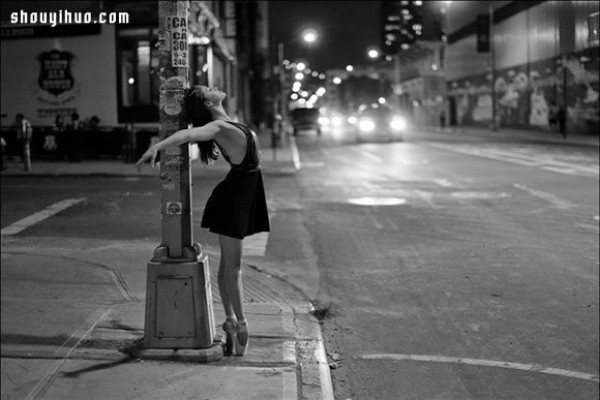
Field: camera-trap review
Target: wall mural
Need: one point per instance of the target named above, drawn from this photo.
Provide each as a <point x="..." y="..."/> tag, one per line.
<point x="525" y="94"/>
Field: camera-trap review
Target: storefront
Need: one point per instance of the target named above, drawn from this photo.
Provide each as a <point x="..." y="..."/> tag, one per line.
<point x="102" y="71"/>
<point x="546" y="55"/>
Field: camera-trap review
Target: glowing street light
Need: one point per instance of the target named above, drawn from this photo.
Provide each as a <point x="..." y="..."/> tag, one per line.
<point x="373" y="53"/>
<point x="310" y="36"/>
<point x="337" y="80"/>
<point x="349" y="68"/>
<point x="300" y="66"/>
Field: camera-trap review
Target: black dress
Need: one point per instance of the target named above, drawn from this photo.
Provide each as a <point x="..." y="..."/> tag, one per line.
<point x="237" y="207"/>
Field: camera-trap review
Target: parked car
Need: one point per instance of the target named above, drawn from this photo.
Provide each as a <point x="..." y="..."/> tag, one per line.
<point x="377" y="122"/>
<point x="304" y="119"/>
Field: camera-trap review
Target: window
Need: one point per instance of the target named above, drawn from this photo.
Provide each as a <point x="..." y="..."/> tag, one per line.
<point x="138" y="82"/>
<point x="592" y="24"/>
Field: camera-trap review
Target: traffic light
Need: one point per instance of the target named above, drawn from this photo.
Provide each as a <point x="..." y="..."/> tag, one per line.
<point x="483" y="33"/>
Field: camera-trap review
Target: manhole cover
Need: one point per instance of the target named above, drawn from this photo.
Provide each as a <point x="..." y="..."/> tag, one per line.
<point x="377" y="201"/>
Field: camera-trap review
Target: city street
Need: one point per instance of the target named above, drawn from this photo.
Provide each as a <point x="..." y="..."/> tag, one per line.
<point x="445" y="266"/>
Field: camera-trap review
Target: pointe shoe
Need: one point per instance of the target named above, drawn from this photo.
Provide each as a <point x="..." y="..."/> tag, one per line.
<point x="241" y="339"/>
<point x="230" y="329"/>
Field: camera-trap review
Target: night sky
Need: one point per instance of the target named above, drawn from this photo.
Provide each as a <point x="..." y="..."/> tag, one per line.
<point x="346" y="29"/>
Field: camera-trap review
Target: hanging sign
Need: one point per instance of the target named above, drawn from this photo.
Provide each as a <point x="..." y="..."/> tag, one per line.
<point x="55" y="72"/>
<point x="179" y="44"/>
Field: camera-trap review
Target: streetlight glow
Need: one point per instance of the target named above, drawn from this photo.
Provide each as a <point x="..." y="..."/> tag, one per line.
<point x="373" y="53"/>
<point x="300" y="66"/>
<point x="310" y="36"/>
<point x="349" y="68"/>
<point x="337" y="80"/>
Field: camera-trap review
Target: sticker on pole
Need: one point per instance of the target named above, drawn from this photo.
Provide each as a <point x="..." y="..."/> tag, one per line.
<point x="174" y="208"/>
<point x="170" y="101"/>
<point x="179" y="45"/>
<point x="175" y="160"/>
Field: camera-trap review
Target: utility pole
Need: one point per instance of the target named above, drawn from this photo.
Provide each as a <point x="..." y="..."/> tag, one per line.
<point x="179" y="311"/>
<point x="493" y="125"/>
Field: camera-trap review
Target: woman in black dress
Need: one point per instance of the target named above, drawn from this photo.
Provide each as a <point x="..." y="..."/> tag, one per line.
<point x="237" y="206"/>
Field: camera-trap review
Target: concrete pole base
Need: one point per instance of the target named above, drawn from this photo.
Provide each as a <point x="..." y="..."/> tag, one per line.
<point x="207" y="355"/>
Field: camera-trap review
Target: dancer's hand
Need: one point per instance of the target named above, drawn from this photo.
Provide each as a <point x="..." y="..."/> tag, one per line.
<point x="151" y="155"/>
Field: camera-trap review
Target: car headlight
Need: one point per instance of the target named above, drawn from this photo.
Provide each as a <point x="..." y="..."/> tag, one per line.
<point x="336" y="121"/>
<point x="366" y="125"/>
<point x="323" y="121"/>
<point x="352" y="120"/>
<point x="398" y="124"/>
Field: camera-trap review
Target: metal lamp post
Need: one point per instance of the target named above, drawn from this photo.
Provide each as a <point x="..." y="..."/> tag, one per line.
<point x="179" y="311"/>
<point x="492" y="65"/>
<point x="309" y="36"/>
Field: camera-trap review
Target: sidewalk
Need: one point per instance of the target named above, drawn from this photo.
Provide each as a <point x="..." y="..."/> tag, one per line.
<point x="509" y="134"/>
<point x="71" y="307"/>
<point x="282" y="160"/>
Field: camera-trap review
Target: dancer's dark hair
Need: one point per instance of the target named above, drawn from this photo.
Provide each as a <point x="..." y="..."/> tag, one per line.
<point x="198" y="114"/>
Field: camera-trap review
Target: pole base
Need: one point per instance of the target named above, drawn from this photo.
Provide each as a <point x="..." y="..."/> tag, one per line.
<point x="179" y="309"/>
<point x="207" y="355"/>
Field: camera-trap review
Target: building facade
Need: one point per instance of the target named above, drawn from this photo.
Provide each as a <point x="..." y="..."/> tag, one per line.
<point x="108" y="70"/>
<point x="545" y="53"/>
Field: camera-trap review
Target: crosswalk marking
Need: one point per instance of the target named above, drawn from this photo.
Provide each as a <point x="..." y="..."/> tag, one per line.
<point x="39" y="216"/>
<point x="567" y="163"/>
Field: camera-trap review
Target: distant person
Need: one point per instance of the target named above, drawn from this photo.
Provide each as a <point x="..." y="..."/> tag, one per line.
<point x="3" y="156"/>
<point x="237" y="206"/>
<point x="561" y="116"/>
<point x="93" y="123"/>
<point x="74" y="138"/>
<point x="553" y="116"/>
<point x="61" y="140"/>
<point x="24" y="135"/>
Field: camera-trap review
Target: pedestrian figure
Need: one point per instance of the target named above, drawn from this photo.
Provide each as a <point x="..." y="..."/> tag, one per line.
<point x="442" y="120"/>
<point x="24" y="135"/>
<point x="552" y="116"/>
<point x="561" y="117"/>
<point x="237" y="206"/>
<point x="75" y="139"/>
<point x="3" y="155"/>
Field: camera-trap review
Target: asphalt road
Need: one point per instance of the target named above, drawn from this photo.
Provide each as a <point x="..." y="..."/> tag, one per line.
<point x="443" y="260"/>
<point x="446" y="268"/>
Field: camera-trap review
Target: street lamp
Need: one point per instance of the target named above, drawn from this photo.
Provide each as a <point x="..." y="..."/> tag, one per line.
<point x="373" y="53"/>
<point x="310" y="36"/>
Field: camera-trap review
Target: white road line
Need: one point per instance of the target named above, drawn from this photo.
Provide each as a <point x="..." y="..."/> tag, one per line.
<point x="589" y="227"/>
<point x="481" y="363"/>
<point x="39" y="389"/>
<point x="552" y="199"/>
<point x="39" y="216"/>
<point x="295" y="153"/>
<point x="373" y="219"/>
<point x="368" y="154"/>
<point x="427" y="197"/>
<point x="256" y="245"/>
<point x="443" y="182"/>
